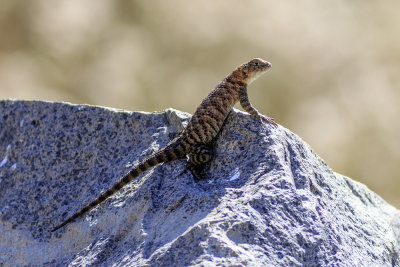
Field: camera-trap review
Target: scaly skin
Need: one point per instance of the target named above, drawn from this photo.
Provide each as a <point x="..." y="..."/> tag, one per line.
<point x="196" y="139"/>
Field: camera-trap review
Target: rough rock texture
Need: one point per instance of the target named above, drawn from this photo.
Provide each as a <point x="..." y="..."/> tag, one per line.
<point x="256" y="206"/>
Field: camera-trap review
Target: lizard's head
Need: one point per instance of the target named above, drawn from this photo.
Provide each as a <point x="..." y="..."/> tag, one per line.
<point x="253" y="69"/>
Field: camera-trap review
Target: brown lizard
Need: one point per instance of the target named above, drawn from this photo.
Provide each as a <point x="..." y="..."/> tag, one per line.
<point x="195" y="141"/>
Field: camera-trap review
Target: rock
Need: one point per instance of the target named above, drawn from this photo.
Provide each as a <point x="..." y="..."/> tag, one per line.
<point x="266" y="198"/>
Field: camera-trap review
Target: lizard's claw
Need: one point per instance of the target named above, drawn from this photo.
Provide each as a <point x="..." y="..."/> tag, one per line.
<point x="268" y="120"/>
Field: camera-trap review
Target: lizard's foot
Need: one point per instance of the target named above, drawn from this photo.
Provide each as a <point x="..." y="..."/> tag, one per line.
<point x="268" y="120"/>
<point x="314" y="187"/>
<point x="195" y="170"/>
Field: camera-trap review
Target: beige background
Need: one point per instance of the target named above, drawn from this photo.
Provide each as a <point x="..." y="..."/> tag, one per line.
<point x="334" y="79"/>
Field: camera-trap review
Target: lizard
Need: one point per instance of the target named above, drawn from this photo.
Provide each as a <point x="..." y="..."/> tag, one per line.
<point x="195" y="141"/>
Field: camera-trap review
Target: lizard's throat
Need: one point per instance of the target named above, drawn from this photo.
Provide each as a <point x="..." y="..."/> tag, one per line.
<point x="254" y="77"/>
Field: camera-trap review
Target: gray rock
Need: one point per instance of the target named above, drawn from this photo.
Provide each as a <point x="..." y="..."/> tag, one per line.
<point x="266" y="199"/>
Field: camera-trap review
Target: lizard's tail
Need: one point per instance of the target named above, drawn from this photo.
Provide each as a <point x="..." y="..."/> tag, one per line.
<point x="175" y="150"/>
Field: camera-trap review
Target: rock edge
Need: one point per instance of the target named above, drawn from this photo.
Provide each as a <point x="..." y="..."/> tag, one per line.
<point x="255" y="207"/>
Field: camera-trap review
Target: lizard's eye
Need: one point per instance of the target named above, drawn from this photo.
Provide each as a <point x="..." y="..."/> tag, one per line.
<point x="256" y="63"/>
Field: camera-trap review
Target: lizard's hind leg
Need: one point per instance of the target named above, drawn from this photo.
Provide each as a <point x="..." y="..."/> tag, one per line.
<point x="200" y="155"/>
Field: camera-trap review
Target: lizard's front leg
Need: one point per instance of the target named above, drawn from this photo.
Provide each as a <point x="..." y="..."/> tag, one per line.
<point x="245" y="103"/>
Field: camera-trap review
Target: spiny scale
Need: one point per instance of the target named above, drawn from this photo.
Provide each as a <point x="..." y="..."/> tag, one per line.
<point x="201" y="130"/>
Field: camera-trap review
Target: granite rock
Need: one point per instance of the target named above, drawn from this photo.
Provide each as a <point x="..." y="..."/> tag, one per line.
<point x="266" y="199"/>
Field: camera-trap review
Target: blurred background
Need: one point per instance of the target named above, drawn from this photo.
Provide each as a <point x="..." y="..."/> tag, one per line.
<point x="334" y="79"/>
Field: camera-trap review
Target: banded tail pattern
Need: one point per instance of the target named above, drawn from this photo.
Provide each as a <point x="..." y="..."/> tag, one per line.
<point x="171" y="152"/>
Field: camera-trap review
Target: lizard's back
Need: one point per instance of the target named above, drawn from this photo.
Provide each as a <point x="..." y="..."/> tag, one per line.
<point x="209" y="117"/>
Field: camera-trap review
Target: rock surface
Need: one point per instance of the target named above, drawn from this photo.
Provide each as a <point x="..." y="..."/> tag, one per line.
<point x="266" y="199"/>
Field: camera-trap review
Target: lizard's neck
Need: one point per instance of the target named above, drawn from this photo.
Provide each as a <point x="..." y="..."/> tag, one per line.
<point x="238" y="78"/>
